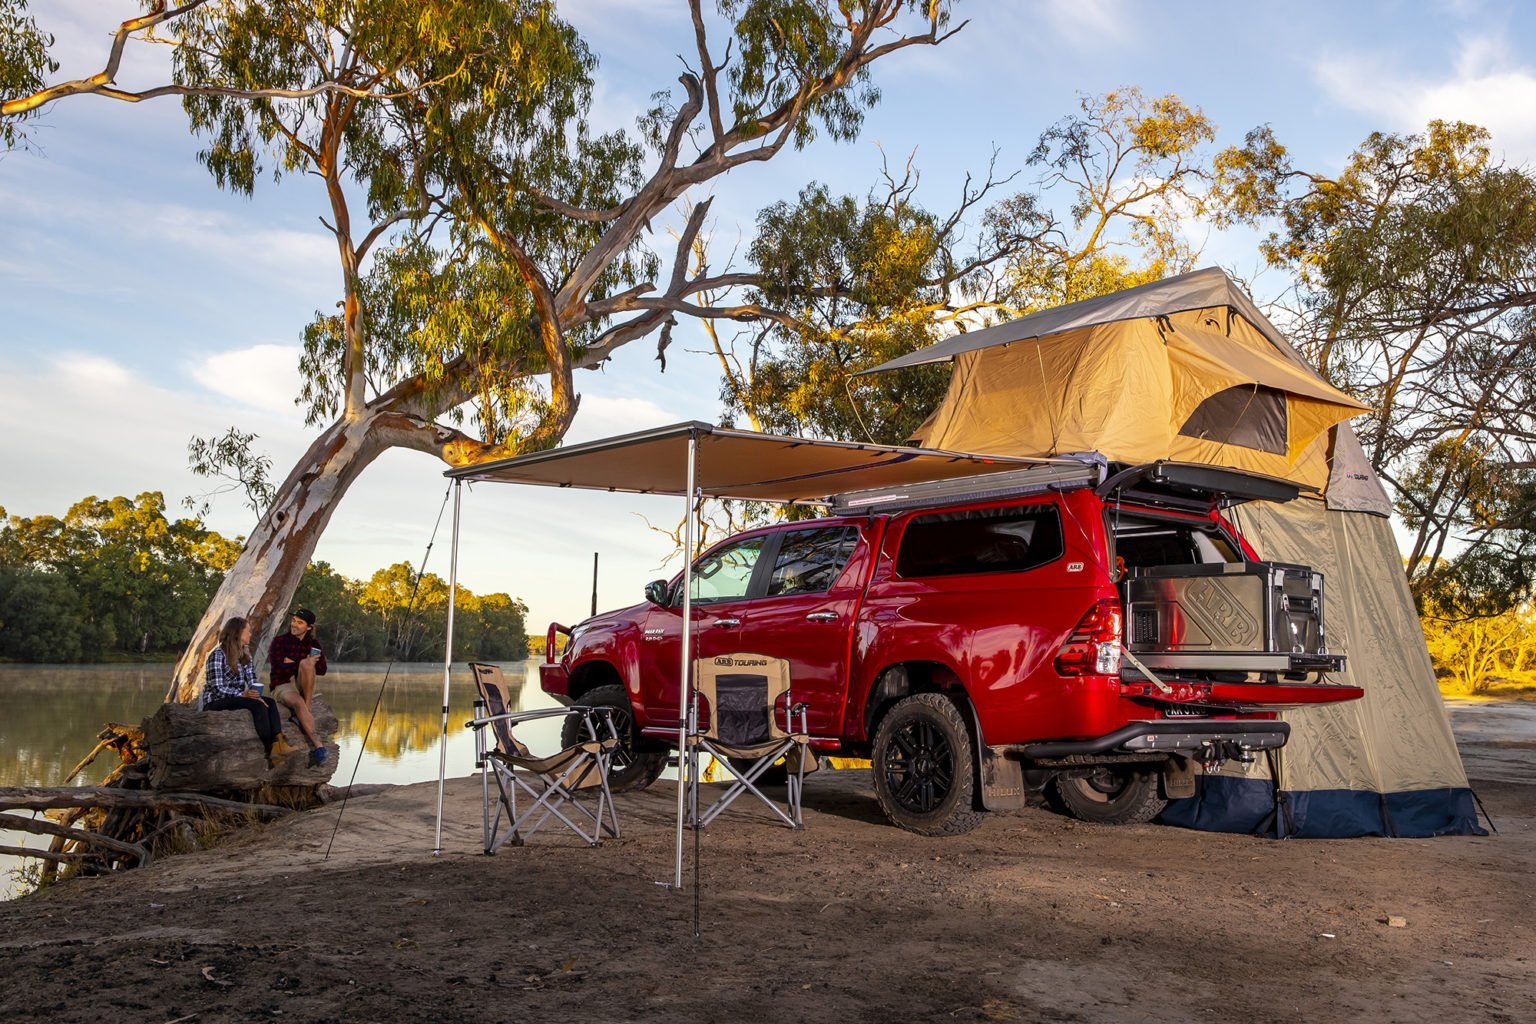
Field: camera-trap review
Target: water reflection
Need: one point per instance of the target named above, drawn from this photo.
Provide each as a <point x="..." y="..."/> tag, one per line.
<point x="50" y="715"/>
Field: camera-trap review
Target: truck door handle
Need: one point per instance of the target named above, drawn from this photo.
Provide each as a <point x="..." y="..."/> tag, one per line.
<point x="727" y="623"/>
<point x="821" y="617"/>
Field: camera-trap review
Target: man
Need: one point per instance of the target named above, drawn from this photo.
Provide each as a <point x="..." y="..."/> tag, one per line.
<point x="296" y="660"/>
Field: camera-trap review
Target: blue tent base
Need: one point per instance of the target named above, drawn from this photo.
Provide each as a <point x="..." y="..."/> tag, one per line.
<point x="1223" y="804"/>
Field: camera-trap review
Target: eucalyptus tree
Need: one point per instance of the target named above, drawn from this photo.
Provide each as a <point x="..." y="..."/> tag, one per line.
<point x="1416" y="278"/>
<point x="508" y="241"/>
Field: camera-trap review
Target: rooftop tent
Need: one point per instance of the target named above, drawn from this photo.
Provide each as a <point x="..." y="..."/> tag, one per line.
<point x="1188" y="369"/>
<point x="1189" y="380"/>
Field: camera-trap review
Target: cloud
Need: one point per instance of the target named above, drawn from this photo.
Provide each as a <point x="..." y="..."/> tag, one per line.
<point x="84" y="424"/>
<point x="260" y="376"/>
<point x="601" y="417"/>
<point x="1090" y="23"/>
<point x="1487" y="84"/>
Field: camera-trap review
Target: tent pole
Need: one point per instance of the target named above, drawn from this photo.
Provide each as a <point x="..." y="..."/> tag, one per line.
<point x="442" y="746"/>
<point x="685" y="676"/>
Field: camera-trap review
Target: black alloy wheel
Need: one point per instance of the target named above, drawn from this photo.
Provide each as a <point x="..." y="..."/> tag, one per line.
<point x="924" y="767"/>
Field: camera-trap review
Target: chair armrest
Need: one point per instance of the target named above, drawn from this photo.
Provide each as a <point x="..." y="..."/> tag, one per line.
<point x="526" y="716"/>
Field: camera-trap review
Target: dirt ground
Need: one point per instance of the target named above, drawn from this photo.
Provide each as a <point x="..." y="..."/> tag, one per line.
<point x="1033" y="917"/>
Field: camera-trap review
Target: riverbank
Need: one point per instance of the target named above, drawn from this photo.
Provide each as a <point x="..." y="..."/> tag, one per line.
<point x="1032" y="917"/>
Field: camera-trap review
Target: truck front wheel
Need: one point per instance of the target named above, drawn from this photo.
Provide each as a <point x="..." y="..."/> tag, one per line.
<point x="925" y="768"/>
<point x="632" y="767"/>
<point x="1111" y="795"/>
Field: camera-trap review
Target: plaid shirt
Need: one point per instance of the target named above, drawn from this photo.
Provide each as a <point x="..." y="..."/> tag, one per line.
<point x="285" y="646"/>
<point x="220" y="681"/>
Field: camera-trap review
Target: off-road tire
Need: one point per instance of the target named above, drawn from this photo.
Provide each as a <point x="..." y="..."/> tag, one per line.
<point x="1111" y="795"/>
<point x="925" y="767"/>
<point x="633" y="766"/>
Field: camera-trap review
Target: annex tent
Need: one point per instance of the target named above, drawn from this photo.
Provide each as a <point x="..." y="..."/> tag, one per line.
<point x="1188" y="369"/>
<point x="695" y="461"/>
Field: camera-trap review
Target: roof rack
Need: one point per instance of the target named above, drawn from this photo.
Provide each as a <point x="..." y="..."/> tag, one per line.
<point x="1060" y="475"/>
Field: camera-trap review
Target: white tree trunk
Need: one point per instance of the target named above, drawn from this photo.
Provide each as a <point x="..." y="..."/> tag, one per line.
<point x="261" y="583"/>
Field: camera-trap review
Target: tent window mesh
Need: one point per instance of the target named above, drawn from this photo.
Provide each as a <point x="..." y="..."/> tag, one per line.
<point x="1249" y="416"/>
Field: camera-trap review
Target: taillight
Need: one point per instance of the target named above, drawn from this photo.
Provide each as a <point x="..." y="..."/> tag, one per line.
<point x="1094" y="646"/>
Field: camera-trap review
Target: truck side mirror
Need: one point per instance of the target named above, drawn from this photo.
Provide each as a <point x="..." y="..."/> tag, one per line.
<point x="657" y="592"/>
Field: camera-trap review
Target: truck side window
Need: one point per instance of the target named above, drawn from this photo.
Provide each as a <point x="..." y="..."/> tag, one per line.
<point x="984" y="540"/>
<point x="726" y="574"/>
<point x="809" y="561"/>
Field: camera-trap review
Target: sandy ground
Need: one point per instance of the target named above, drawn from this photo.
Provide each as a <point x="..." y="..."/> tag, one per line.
<point x="1033" y="917"/>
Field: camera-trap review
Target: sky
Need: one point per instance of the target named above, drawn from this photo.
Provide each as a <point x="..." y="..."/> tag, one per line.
<point x="141" y="306"/>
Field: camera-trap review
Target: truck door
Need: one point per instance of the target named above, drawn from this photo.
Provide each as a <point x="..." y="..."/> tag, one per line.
<point x="806" y="617"/>
<point x="723" y="581"/>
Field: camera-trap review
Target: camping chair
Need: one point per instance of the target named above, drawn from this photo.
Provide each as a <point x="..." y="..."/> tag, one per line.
<point x="562" y="778"/>
<point x="740" y="702"/>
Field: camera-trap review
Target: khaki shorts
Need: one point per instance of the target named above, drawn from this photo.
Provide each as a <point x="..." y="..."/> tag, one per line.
<point x="277" y="691"/>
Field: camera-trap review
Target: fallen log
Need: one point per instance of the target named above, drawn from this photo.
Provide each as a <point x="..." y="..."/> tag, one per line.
<point x="218" y="751"/>
<point x="48" y="855"/>
<point x="39" y="827"/>
<point x="46" y="798"/>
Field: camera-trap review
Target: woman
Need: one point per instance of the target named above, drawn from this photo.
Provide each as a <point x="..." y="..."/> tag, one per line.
<point x="229" y="683"/>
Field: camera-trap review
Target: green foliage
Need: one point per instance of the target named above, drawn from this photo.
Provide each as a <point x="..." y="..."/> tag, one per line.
<point x="785" y="46"/>
<point x="231" y="459"/>
<point x="1454" y="482"/>
<point x="41" y="616"/>
<point x="137" y="578"/>
<point x="425" y="109"/>
<point x="115" y="578"/>
<point x="24" y="61"/>
<point x="860" y="280"/>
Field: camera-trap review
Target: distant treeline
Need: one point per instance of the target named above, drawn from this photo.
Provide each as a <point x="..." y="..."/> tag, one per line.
<point x="116" y="578"/>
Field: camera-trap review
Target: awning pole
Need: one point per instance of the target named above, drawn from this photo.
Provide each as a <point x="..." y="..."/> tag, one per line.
<point x="442" y="756"/>
<point x="685" y="676"/>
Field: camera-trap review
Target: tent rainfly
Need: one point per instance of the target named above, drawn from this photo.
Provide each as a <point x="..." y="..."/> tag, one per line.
<point x="1188" y="369"/>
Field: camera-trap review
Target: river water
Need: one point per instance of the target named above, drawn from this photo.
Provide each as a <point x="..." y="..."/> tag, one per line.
<point x="50" y="715"/>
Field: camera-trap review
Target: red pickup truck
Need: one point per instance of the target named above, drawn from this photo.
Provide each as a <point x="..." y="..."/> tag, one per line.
<point x="1066" y="628"/>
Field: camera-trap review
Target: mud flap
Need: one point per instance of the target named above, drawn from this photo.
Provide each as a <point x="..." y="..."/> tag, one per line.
<point x="1002" y="780"/>
<point x="1178" y="778"/>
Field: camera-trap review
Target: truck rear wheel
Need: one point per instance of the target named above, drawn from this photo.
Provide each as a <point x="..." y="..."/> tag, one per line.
<point x="925" y="767"/>
<point x="1111" y="795"/>
<point x="632" y="767"/>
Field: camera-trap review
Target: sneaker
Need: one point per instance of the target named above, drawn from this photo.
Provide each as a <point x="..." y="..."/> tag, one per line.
<point x="317" y="757"/>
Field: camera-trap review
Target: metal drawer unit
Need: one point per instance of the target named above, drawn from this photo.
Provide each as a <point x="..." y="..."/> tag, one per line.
<point x="1228" y="617"/>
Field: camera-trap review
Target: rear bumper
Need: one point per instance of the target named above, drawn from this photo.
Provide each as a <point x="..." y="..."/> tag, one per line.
<point x="1243" y="697"/>
<point x="1189" y="737"/>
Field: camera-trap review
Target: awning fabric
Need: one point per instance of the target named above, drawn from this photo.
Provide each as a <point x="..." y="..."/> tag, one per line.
<point x="734" y="464"/>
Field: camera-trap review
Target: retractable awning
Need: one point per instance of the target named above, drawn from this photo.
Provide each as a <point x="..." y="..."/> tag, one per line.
<point x="732" y="463"/>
